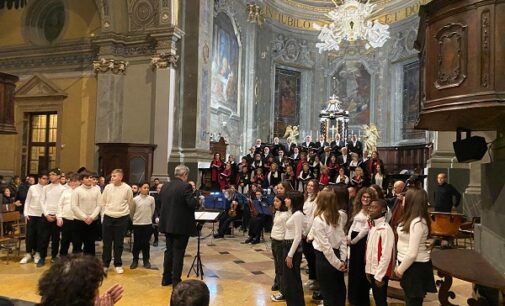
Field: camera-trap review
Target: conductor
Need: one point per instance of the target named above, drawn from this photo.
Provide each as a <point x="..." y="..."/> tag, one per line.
<point x="177" y="221"/>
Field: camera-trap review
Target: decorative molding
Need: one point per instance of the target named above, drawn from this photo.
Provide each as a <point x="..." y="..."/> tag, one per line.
<point x="110" y="65"/>
<point x="164" y="61"/>
<point x="290" y="50"/>
<point x="255" y="14"/>
<point x="452" y="55"/>
<point x="484" y="48"/>
<point x="38" y="87"/>
<point x="403" y="45"/>
<point x="71" y="55"/>
<point x="142" y="14"/>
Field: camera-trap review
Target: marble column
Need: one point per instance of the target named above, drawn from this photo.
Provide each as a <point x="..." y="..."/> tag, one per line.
<point x="110" y="83"/>
<point x="490" y="233"/>
<point x="250" y="89"/>
<point x="164" y="102"/>
<point x="164" y="65"/>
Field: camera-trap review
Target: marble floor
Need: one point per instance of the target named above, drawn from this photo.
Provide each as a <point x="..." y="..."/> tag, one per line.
<point x="236" y="274"/>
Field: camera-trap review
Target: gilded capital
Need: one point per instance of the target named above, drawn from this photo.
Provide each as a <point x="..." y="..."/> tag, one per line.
<point x="163" y="61"/>
<point x="105" y="65"/>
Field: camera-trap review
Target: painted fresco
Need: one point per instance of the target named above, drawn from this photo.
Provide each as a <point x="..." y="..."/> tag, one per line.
<point x="351" y="83"/>
<point x="287" y="99"/>
<point x="410" y="101"/>
<point x="225" y="64"/>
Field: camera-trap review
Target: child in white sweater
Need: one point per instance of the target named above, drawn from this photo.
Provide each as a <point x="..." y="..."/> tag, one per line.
<point x="142" y="225"/>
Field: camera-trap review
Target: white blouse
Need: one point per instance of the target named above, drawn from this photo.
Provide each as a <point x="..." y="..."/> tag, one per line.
<point x="327" y="237"/>
<point x="294" y="227"/>
<point x="279" y="226"/>
<point x="360" y="225"/>
<point x="412" y="246"/>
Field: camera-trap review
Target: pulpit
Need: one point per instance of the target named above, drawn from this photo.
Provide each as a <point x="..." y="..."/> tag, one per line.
<point x="7" y="92"/>
<point x="462" y="65"/>
<point x="136" y="160"/>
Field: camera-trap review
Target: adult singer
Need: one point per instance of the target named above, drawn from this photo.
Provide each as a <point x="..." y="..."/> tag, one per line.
<point x="177" y="221"/>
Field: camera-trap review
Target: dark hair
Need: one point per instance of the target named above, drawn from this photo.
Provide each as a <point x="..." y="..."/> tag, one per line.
<point x="72" y="176"/>
<point x="72" y="280"/>
<point x="342" y="194"/>
<point x="84" y="174"/>
<point x="55" y="171"/>
<point x="282" y="198"/>
<point x="41" y="174"/>
<point x="287" y="186"/>
<point x="191" y="292"/>
<point x="296" y="198"/>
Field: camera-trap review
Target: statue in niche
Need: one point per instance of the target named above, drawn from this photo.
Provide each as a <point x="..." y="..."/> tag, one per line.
<point x="292" y="132"/>
<point x="370" y="137"/>
<point x="305" y="53"/>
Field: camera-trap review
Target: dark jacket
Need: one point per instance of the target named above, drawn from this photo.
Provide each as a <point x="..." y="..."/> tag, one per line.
<point x="177" y="213"/>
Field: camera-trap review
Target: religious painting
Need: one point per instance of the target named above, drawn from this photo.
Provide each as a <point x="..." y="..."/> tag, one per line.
<point x="410" y="101"/>
<point x="287" y="99"/>
<point x="225" y="64"/>
<point x="352" y="83"/>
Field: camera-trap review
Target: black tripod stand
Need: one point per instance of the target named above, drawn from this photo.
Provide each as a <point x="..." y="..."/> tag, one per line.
<point x="198" y="268"/>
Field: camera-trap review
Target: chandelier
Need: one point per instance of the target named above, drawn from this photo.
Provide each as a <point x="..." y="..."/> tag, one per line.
<point x="351" y="22"/>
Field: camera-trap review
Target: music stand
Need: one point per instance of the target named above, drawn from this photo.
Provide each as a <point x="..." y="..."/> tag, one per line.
<point x="201" y="217"/>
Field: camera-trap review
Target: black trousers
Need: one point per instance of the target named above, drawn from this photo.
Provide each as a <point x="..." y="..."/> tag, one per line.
<point x="32" y="233"/>
<point x="141" y="235"/>
<point x="48" y="230"/>
<point x="224" y="223"/>
<point x="359" y="287"/>
<point x="87" y="235"/>
<point x="256" y="225"/>
<point x="278" y="253"/>
<point x="292" y="278"/>
<point x="380" y="295"/>
<point x="174" y="258"/>
<point x="308" y="252"/>
<point x="114" y="230"/>
<point x="67" y="236"/>
<point x="331" y="281"/>
<point x="413" y="301"/>
<point x="155" y="232"/>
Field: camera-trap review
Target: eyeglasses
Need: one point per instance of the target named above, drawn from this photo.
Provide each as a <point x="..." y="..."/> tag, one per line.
<point x="366" y="197"/>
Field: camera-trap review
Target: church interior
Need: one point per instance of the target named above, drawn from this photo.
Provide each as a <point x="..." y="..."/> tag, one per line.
<point x="146" y="85"/>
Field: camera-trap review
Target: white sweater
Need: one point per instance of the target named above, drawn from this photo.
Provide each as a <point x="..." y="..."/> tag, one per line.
<point x="279" y="226"/>
<point x="412" y="246"/>
<point x="143" y="210"/>
<point x="379" y="250"/>
<point x="33" y="206"/>
<point x="117" y="201"/>
<point x="294" y="228"/>
<point x="65" y="205"/>
<point x="85" y="202"/>
<point x="326" y="237"/>
<point x="49" y="198"/>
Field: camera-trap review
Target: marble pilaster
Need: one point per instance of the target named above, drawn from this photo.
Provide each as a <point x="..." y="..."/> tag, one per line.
<point x="109" y="113"/>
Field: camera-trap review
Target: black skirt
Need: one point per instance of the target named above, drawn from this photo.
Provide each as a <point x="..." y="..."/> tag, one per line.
<point x="418" y="279"/>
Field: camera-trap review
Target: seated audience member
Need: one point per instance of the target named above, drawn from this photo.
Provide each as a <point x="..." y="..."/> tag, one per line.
<point x="191" y="292"/>
<point x="74" y="280"/>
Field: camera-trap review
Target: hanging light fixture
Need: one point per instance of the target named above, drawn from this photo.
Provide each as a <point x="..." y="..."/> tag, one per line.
<point x="351" y="22"/>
